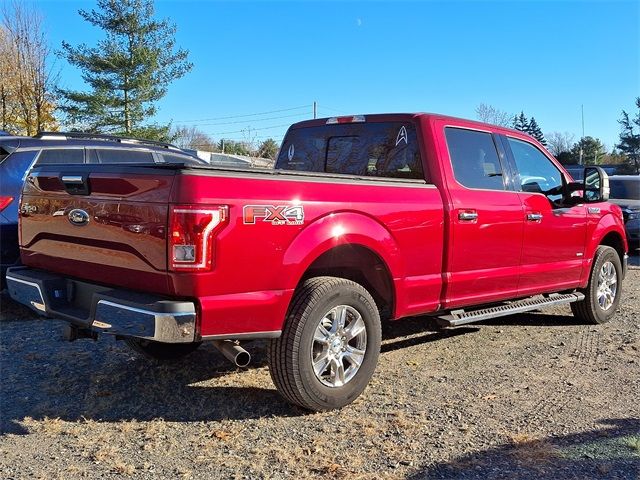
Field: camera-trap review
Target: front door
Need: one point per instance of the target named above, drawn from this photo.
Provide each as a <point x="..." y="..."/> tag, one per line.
<point x="485" y="221"/>
<point x="554" y="233"/>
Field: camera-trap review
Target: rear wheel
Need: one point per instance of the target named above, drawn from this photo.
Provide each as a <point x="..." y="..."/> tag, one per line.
<point x="329" y="346"/>
<point x="602" y="295"/>
<point x="164" y="352"/>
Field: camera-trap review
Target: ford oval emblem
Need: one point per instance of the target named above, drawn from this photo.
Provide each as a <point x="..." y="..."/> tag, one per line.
<point x="78" y="217"/>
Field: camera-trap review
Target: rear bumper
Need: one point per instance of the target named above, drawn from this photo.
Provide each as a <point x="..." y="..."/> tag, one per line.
<point x="103" y="309"/>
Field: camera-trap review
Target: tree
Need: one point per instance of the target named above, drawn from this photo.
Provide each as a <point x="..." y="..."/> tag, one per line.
<point x="535" y="132"/>
<point x="235" y="148"/>
<point x="268" y="149"/>
<point x="559" y="143"/>
<point x="27" y="83"/>
<point x="490" y="114"/>
<point x="521" y="123"/>
<point x="592" y="150"/>
<point x="629" y="139"/>
<point x="127" y="73"/>
<point x="191" y="137"/>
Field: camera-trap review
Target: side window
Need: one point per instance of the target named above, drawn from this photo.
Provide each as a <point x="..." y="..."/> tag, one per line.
<point x="537" y="174"/>
<point x="122" y="155"/>
<point x="172" y="158"/>
<point x="61" y="155"/>
<point x="474" y="159"/>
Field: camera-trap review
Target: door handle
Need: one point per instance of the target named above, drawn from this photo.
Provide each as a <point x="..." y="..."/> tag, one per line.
<point x="534" y="217"/>
<point x="467" y="215"/>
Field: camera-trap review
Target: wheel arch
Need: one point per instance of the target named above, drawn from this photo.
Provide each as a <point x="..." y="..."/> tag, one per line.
<point x="348" y="245"/>
<point x="609" y="233"/>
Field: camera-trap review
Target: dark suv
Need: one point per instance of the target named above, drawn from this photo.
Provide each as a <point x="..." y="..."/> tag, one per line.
<point x="19" y="154"/>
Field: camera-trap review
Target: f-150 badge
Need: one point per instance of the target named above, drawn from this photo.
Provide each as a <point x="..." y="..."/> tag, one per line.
<point x="273" y="214"/>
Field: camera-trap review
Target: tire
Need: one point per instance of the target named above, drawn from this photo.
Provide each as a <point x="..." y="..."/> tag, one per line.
<point x="597" y="306"/>
<point x="312" y="336"/>
<point x="163" y="352"/>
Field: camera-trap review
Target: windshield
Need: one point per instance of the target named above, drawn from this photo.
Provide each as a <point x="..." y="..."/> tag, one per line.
<point x="628" y="188"/>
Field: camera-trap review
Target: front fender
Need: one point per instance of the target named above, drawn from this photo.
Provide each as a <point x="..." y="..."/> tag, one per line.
<point x="609" y="223"/>
<point x="342" y="228"/>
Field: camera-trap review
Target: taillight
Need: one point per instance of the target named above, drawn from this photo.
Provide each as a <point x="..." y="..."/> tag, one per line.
<point x="192" y="231"/>
<point x="4" y="202"/>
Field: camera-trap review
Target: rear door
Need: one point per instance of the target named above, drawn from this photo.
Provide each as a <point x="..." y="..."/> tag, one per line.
<point x="485" y="220"/>
<point x="554" y="233"/>
<point x="100" y="223"/>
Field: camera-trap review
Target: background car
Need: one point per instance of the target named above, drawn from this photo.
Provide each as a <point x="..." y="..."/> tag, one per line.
<point x="625" y="192"/>
<point x="19" y="154"/>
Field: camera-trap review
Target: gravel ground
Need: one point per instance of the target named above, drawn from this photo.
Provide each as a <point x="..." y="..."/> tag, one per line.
<point x="528" y="396"/>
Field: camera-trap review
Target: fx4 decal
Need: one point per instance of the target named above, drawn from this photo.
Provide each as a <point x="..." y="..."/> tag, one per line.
<point x="274" y="214"/>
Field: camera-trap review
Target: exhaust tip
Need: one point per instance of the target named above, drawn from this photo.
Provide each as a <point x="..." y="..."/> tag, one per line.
<point x="243" y="359"/>
<point x="234" y="353"/>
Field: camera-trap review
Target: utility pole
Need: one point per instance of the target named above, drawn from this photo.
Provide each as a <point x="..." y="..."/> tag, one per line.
<point x="581" y="153"/>
<point x="315" y="109"/>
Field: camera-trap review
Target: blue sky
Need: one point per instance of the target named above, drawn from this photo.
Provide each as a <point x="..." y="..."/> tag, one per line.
<point x="544" y="57"/>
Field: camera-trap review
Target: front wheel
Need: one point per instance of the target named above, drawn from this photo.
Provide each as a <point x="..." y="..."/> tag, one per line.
<point x="602" y="295"/>
<point x="329" y="346"/>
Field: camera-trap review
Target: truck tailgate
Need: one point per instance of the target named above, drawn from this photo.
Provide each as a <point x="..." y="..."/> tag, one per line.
<point x="96" y="222"/>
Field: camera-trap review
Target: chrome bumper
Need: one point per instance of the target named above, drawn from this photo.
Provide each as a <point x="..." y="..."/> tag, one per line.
<point x="103" y="309"/>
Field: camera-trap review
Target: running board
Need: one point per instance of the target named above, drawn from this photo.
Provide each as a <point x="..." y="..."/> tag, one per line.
<point x="462" y="317"/>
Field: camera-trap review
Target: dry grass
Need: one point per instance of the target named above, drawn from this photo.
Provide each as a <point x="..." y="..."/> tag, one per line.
<point x="123" y="468"/>
<point x="531" y="450"/>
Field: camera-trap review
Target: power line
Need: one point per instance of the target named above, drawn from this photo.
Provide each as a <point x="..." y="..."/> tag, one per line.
<point x="322" y="106"/>
<point x="248" y="129"/>
<point x="244" y="116"/>
<point x="252" y="120"/>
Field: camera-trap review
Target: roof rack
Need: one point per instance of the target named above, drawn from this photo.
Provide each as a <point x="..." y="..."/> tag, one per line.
<point x="100" y="136"/>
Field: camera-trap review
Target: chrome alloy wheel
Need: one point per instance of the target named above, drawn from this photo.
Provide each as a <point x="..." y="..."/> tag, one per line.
<point x="607" y="285"/>
<point x="339" y="345"/>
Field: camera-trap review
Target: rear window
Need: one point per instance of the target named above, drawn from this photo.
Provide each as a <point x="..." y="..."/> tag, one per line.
<point x="388" y="149"/>
<point x="61" y="155"/>
<point x="15" y="168"/>
<point x="6" y="147"/>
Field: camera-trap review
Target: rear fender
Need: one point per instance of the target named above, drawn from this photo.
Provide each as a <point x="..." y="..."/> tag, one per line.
<point x="344" y="228"/>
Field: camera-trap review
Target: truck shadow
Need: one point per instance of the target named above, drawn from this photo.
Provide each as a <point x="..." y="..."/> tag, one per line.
<point x="611" y="452"/>
<point x="44" y="376"/>
<point x="104" y="381"/>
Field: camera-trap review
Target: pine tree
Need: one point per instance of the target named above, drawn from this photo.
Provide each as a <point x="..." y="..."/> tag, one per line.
<point x="521" y="123"/>
<point x="128" y="72"/>
<point x="629" y="139"/>
<point x="535" y="132"/>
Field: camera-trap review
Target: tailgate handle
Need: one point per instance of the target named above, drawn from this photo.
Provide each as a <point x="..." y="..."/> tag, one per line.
<point x="76" y="184"/>
<point x="75" y="179"/>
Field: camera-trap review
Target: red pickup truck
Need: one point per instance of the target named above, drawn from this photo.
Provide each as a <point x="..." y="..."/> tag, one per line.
<point x="363" y="220"/>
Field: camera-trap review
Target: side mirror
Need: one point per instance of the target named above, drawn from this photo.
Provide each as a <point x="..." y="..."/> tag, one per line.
<point x="596" y="185"/>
